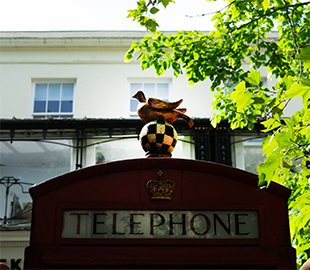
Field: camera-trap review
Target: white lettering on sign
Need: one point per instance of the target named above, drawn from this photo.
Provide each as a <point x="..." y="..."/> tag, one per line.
<point x="145" y="224"/>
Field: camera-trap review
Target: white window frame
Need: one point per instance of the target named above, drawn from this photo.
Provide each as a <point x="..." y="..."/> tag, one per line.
<point x="133" y="114"/>
<point x="52" y="114"/>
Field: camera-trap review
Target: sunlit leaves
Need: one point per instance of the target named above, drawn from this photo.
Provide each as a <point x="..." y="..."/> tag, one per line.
<point x="299" y="207"/>
<point x="305" y="57"/>
<point x="254" y="77"/>
<point x="263" y="4"/>
<point x="165" y="2"/>
<point x="296" y="90"/>
<point x="272" y="123"/>
<point x="241" y="97"/>
<point x="143" y="7"/>
<point x="305" y="53"/>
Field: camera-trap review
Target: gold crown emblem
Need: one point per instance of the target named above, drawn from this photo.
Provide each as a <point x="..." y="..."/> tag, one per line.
<point x="160" y="189"/>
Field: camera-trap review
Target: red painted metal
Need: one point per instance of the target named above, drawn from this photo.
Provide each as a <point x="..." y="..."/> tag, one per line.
<point x="121" y="185"/>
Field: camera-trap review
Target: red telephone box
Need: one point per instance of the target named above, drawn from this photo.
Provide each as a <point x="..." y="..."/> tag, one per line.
<point x="159" y="213"/>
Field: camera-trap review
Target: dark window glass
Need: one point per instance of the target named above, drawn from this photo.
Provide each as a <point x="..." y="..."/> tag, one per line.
<point x="39" y="106"/>
<point x="53" y="106"/>
<point x="66" y="106"/>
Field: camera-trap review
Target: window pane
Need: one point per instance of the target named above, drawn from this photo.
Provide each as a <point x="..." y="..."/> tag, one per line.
<point x="149" y="89"/>
<point x="40" y="91"/>
<point x="118" y="150"/>
<point x="39" y="106"/>
<point x="264" y="82"/>
<point x="133" y="105"/>
<point x="66" y="106"/>
<point x="54" y="91"/>
<point x="53" y="106"/>
<point x="253" y="154"/>
<point x="67" y="90"/>
<point x="134" y="87"/>
<point x="163" y="91"/>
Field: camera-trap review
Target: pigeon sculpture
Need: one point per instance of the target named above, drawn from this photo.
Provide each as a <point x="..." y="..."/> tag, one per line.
<point x="156" y="109"/>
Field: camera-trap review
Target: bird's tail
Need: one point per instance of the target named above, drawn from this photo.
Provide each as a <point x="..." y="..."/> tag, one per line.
<point x="176" y="103"/>
<point x="185" y="117"/>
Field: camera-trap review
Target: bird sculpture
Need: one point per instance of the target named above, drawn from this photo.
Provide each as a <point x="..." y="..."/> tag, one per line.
<point x="155" y="109"/>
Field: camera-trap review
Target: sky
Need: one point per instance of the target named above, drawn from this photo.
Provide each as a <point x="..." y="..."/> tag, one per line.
<point x="79" y="15"/>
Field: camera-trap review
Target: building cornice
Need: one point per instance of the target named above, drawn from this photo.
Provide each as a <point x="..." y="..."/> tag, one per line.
<point x="69" y="39"/>
<point x="77" y="39"/>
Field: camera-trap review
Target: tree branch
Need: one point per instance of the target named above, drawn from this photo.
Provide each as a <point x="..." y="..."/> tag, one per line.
<point x="271" y="12"/>
<point x="294" y="37"/>
<point x="210" y="13"/>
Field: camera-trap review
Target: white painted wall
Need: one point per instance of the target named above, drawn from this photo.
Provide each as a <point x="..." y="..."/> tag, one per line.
<point x="95" y="61"/>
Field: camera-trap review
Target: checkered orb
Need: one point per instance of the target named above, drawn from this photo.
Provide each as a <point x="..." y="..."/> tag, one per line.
<point x="158" y="138"/>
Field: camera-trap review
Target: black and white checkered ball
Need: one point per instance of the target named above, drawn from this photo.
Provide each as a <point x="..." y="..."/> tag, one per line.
<point x="158" y="138"/>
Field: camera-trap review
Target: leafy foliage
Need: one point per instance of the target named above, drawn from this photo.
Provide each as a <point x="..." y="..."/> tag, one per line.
<point x="244" y="34"/>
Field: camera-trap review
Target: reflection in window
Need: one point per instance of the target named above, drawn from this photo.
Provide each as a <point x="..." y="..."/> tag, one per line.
<point x="253" y="154"/>
<point x="118" y="149"/>
<point x="129" y="148"/>
<point x="248" y="153"/>
<point x="31" y="162"/>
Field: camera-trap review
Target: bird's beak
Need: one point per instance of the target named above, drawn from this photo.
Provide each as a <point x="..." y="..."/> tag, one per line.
<point x="136" y="95"/>
<point x="139" y="96"/>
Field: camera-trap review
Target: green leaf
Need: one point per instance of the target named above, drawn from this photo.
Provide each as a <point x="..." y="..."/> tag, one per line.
<point x="127" y="57"/>
<point x="238" y="90"/>
<point x="215" y="120"/>
<point x="288" y="80"/>
<point x="262" y="180"/>
<point x="151" y="25"/>
<point x="165" y="2"/>
<point x="259" y="100"/>
<point x="296" y="90"/>
<point x="154" y="10"/>
<point x="242" y="97"/>
<point x="191" y="83"/>
<point x="133" y="46"/>
<point x="235" y="13"/>
<point x="244" y="101"/>
<point x="269" y="145"/>
<point x="306" y="97"/>
<point x="305" y="82"/>
<point x="306" y="64"/>
<point x="254" y="77"/>
<point x="290" y="126"/>
<point x="265" y="4"/>
<point x="272" y="123"/>
<point x="305" y="53"/>
<point x="269" y="167"/>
